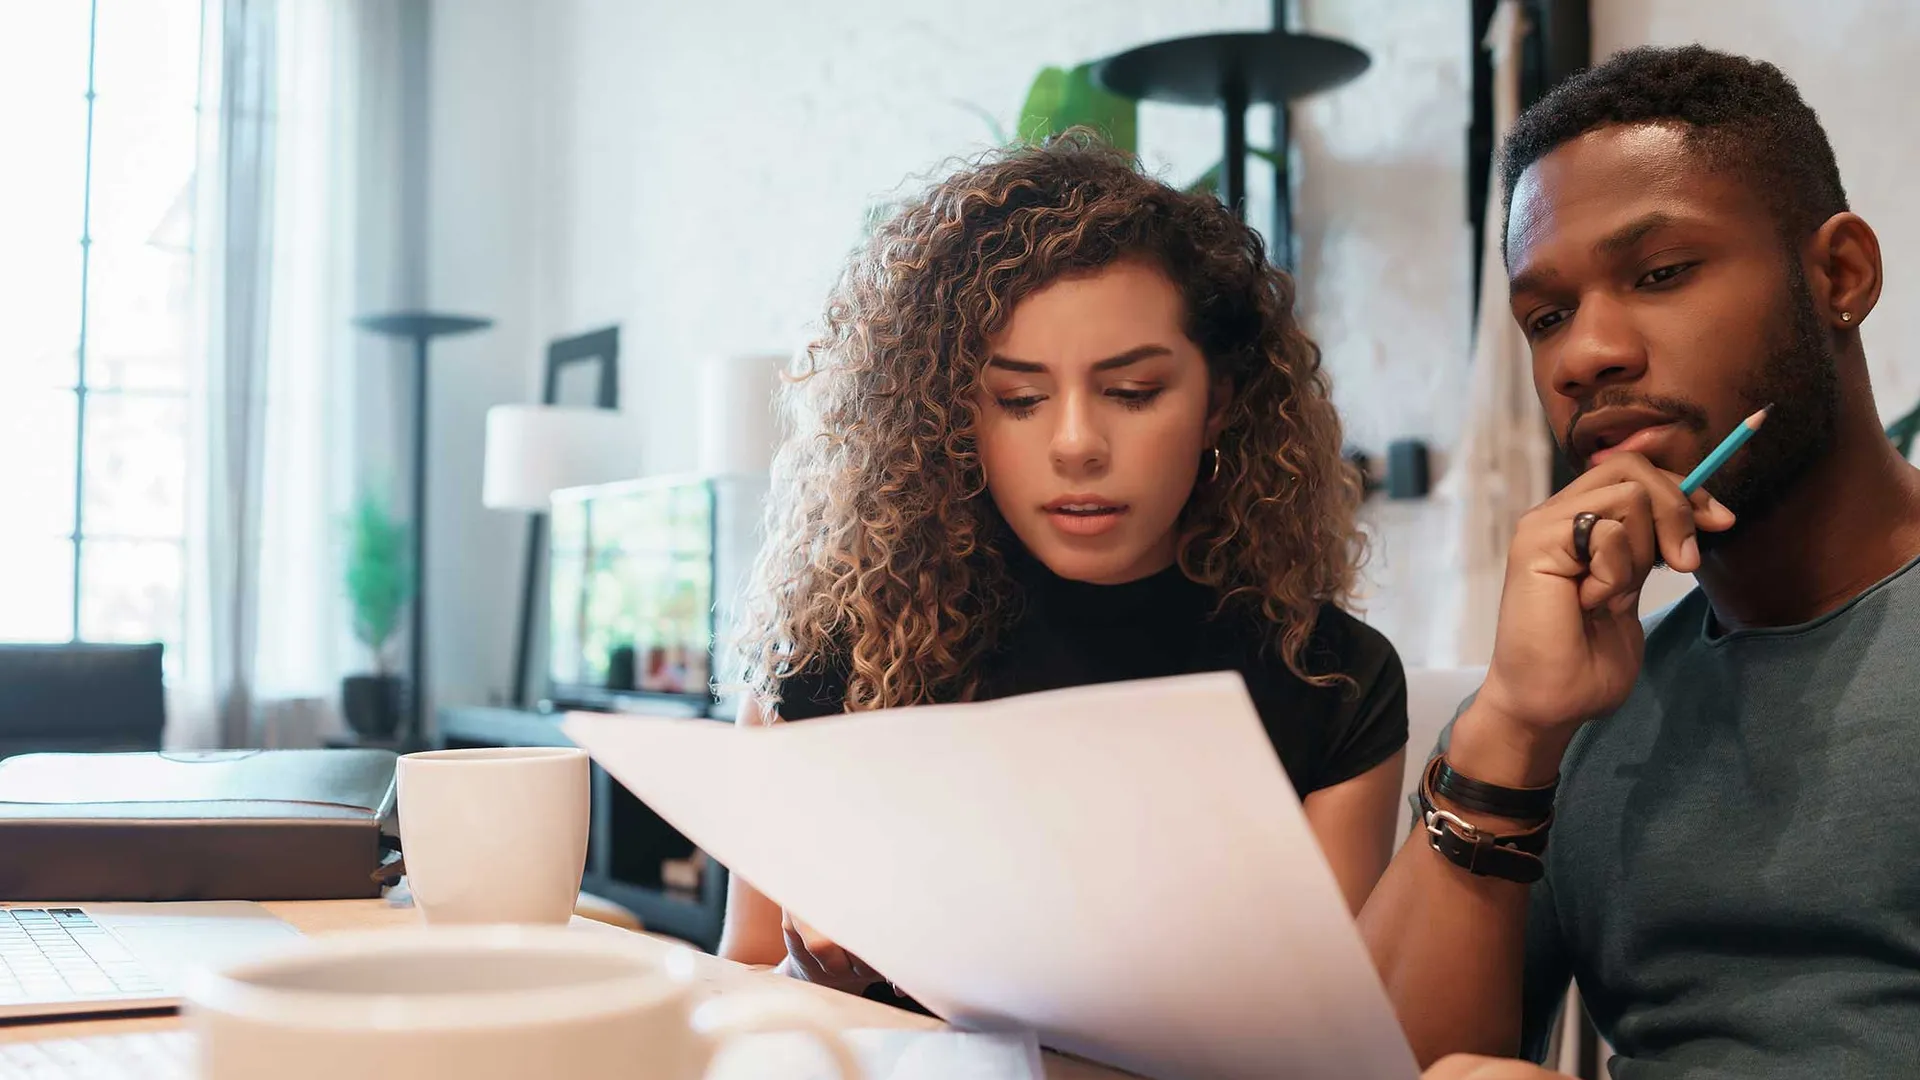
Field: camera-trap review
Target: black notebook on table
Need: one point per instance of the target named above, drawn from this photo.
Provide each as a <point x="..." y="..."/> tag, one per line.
<point x="195" y="825"/>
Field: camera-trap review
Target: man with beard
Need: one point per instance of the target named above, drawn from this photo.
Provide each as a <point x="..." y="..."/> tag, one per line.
<point x="1732" y="874"/>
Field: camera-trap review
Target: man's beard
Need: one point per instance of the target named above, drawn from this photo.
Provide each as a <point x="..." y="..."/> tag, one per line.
<point x="1800" y="379"/>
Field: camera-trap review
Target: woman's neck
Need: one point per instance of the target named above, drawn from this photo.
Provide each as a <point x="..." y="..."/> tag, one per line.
<point x="1151" y="565"/>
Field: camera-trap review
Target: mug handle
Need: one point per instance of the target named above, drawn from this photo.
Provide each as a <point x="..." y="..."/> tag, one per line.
<point x="722" y="1018"/>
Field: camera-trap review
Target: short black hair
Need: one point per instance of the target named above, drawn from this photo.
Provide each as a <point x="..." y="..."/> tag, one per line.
<point x="1741" y="115"/>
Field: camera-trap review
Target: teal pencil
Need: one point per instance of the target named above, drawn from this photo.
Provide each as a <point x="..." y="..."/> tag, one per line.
<point x="1727" y="448"/>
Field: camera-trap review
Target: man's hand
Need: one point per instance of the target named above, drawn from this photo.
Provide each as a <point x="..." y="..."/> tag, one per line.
<point x="811" y="957"/>
<point x="1474" y="1067"/>
<point x="1569" y="642"/>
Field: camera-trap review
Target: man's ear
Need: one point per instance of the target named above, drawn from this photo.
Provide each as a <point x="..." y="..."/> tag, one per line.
<point x="1843" y="270"/>
<point x="1219" y="396"/>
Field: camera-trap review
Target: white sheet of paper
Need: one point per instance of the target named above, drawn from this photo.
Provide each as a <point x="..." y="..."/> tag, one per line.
<point x="1122" y="868"/>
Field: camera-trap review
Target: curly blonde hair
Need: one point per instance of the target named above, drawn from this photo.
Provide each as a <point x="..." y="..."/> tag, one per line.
<point x="882" y="554"/>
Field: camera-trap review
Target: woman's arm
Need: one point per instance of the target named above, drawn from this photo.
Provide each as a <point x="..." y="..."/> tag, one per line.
<point x="757" y="931"/>
<point x="751" y="933"/>
<point x="1356" y="822"/>
<point x="1469" y="1067"/>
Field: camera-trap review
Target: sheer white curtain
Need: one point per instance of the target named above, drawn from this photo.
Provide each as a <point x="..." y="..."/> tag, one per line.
<point x="282" y="442"/>
<point x="1501" y="468"/>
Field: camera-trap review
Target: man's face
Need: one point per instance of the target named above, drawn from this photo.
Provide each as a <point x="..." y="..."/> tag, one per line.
<point x="1662" y="308"/>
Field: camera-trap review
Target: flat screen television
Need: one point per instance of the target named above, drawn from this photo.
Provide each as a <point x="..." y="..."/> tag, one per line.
<point x="631" y="594"/>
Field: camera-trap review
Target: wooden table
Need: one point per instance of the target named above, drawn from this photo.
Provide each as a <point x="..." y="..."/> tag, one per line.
<point x="717" y="976"/>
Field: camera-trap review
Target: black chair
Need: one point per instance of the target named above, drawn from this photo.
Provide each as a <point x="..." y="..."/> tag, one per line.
<point x="80" y="697"/>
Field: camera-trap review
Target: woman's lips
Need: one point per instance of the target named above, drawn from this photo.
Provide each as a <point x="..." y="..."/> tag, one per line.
<point x="1088" y="518"/>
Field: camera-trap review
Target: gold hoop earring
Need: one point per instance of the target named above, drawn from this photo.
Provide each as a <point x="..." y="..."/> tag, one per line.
<point x="1215" y="474"/>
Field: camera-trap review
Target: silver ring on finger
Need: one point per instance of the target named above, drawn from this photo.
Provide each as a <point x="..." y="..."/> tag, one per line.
<point x="1583" y="536"/>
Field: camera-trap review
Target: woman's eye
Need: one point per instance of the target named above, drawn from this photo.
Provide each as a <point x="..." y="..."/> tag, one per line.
<point x="1020" y="405"/>
<point x="1135" y="397"/>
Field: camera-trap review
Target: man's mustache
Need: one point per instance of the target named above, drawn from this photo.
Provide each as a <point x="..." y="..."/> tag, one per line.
<point x="1676" y="410"/>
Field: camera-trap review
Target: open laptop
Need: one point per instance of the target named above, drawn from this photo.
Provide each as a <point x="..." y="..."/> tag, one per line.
<point x="79" y="959"/>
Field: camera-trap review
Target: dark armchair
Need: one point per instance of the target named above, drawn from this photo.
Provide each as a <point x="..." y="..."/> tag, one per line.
<point x="80" y="697"/>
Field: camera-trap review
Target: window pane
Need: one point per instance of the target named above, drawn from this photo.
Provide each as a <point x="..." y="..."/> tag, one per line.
<point x="148" y="48"/>
<point x="146" y="71"/>
<point x="143" y="160"/>
<point x="40" y="308"/>
<point x="41" y="218"/>
<point x="146" y="65"/>
<point x="37" y="442"/>
<point x="138" y="318"/>
<point x="135" y="466"/>
<point x="36" y="582"/>
<point x="130" y="591"/>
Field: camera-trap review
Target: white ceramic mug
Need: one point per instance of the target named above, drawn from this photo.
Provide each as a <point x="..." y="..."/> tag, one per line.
<point x="495" y="834"/>
<point x="477" y="1003"/>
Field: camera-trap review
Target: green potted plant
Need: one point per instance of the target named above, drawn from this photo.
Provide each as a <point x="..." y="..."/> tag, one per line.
<point x="379" y="583"/>
<point x="1903" y="432"/>
<point x="1062" y="98"/>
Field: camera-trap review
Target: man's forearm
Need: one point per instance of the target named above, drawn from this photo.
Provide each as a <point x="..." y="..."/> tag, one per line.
<point x="1451" y="946"/>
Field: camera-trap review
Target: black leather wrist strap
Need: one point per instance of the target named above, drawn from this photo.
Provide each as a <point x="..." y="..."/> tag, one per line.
<point x="1511" y="857"/>
<point x="1521" y="804"/>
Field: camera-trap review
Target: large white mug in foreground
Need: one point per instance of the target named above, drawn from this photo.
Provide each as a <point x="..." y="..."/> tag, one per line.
<point x="476" y="1003"/>
<point x="494" y="834"/>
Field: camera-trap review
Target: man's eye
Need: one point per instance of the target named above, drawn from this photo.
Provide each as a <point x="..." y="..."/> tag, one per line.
<point x="1660" y="275"/>
<point x="1547" y="322"/>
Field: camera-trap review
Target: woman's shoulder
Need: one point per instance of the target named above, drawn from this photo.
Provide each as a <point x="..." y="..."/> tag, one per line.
<point x="819" y="688"/>
<point x="1350" y="716"/>
<point x="1339" y="645"/>
<point x="1342" y="644"/>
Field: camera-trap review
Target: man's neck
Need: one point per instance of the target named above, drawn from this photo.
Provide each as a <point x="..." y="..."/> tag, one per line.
<point x="1853" y="520"/>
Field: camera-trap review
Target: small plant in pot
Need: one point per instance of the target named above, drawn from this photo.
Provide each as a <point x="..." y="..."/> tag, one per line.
<point x="379" y="584"/>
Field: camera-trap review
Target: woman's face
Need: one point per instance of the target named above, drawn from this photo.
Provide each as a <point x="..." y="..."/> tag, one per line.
<point x="1095" y="411"/>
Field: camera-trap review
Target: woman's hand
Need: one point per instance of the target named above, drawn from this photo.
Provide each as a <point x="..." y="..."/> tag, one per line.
<point x="1475" y="1067"/>
<point x="812" y="958"/>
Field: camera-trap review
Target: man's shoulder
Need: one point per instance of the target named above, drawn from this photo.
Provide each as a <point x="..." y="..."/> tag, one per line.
<point x="1672" y="633"/>
<point x="1692" y="603"/>
<point x="1675" y="626"/>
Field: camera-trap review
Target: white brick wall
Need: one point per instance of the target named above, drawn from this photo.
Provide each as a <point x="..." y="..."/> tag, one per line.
<point x="706" y="166"/>
<point x="695" y="171"/>
<point x="1853" y="62"/>
<point x="1384" y="264"/>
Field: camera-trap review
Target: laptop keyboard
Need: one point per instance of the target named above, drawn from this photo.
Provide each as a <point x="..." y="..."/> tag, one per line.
<point x="54" y="954"/>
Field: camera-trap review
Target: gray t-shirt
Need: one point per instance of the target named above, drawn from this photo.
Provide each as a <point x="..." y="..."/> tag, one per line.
<point x="1734" y="872"/>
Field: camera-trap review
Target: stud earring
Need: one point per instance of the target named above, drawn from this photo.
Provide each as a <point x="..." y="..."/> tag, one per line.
<point x="1846" y="316"/>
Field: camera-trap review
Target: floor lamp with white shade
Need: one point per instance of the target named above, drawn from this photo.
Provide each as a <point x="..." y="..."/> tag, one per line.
<point x="534" y="451"/>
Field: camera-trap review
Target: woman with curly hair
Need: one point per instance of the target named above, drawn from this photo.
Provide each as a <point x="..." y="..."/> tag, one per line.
<point x="1062" y="428"/>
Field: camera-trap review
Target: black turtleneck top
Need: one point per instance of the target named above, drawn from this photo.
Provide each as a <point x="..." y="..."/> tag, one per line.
<point x="1070" y="633"/>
